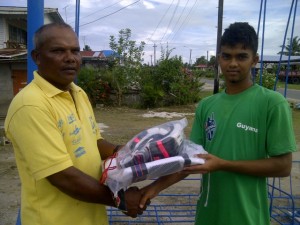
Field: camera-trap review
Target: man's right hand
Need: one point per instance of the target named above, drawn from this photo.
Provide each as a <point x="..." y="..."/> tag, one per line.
<point x="132" y="200"/>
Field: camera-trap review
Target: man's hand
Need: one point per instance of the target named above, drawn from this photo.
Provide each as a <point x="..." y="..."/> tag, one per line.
<point x="132" y="200"/>
<point x="212" y="163"/>
<point x="148" y="193"/>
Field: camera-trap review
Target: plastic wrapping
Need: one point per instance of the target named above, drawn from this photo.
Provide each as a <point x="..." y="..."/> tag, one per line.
<point x="155" y="152"/>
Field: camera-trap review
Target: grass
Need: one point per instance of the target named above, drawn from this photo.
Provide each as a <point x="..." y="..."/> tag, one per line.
<point x="296" y="123"/>
<point x="290" y="86"/>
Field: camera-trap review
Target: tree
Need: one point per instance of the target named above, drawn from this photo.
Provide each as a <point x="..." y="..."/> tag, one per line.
<point x="165" y="53"/>
<point x="212" y="61"/>
<point x="87" y="48"/>
<point x="295" y="48"/>
<point x="201" y="60"/>
<point x="169" y="83"/>
<point x="126" y="69"/>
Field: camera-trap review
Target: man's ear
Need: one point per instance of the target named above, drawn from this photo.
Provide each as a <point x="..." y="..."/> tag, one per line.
<point x="35" y="56"/>
<point x="255" y="60"/>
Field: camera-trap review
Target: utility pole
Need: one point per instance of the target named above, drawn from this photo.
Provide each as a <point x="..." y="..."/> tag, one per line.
<point x="190" y="61"/>
<point x="207" y="59"/>
<point x="154" y="46"/>
<point x="77" y="15"/>
<point x="219" y="34"/>
<point x="151" y="60"/>
<point x="35" y="18"/>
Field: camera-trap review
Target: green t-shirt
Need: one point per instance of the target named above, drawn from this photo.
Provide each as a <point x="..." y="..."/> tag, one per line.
<point x="251" y="125"/>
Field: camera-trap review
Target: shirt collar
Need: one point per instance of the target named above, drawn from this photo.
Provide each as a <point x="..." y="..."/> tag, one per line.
<point x="48" y="88"/>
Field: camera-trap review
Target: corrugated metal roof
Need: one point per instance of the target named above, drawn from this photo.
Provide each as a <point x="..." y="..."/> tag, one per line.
<point x="12" y="53"/>
<point x="97" y="54"/>
<point x="13" y="11"/>
<point x="276" y="58"/>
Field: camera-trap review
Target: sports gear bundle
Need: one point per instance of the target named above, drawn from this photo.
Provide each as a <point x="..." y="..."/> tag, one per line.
<point x="155" y="152"/>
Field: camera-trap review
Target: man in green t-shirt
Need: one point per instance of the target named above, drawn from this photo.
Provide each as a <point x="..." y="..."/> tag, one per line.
<point x="248" y="133"/>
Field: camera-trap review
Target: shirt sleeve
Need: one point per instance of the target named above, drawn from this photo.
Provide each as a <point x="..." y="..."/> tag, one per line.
<point x="197" y="128"/>
<point x="280" y="135"/>
<point x="39" y="142"/>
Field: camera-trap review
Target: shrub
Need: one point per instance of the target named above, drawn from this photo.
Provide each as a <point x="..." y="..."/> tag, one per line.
<point x="92" y="82"/>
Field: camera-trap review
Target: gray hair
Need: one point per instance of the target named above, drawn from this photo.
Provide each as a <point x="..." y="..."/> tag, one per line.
<point x="39" y="38"/>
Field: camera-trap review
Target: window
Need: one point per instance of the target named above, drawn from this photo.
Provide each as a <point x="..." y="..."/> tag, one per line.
<point x="17" y="35"/>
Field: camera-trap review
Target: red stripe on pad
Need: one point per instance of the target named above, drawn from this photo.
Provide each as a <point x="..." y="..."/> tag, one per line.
<point x="162" y="149"/>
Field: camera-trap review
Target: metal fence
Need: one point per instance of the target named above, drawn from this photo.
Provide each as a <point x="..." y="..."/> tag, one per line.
<point x="284" y="197"/>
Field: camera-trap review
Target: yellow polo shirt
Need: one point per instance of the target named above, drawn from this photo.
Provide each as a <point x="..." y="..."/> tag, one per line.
<point x="50" y="132"/>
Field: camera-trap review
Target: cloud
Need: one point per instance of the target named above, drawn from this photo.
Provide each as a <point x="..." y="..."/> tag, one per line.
<point x="192" y="24"/>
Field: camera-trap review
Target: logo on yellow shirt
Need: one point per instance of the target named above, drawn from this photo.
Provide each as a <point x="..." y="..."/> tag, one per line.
<point x="79" y="152"/>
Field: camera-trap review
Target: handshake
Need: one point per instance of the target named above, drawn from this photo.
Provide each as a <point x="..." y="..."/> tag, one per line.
<point x="132" y="202"/>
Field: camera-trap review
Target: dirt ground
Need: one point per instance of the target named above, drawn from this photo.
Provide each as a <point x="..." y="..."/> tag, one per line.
<point x="118" y="126"/>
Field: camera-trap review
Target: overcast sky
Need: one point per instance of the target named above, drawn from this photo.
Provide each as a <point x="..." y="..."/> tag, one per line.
<point x="188" y="26"/>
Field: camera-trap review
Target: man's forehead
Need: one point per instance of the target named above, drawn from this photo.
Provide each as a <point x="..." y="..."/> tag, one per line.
<point x="238" y="48"/>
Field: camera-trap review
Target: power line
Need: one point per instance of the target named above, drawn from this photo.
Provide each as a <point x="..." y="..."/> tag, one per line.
<point x="110" y="14"/>
<point x="161" y="20"/>
<point x="174" y="12"/>
<point x="185" y="20"/>
<point x="102" y="9"/>
<point x="179" y="17"/>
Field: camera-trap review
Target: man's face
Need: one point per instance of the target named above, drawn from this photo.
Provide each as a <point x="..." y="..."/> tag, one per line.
<point x="58" y="59"/>
<point x="236" y="63"/>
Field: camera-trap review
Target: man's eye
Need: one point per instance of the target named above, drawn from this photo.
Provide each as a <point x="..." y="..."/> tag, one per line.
<point x="226" y="57"/>
<point x="57" y="51"/>
<point x="242" y="57"/>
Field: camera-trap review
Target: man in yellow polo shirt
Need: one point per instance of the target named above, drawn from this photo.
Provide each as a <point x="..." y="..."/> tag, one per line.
<point x="57" y="142"/>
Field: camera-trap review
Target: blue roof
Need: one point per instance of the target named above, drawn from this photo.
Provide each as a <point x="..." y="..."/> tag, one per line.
<point x="108" y="53"/>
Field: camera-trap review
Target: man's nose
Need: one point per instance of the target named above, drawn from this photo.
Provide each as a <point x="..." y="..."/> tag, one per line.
<point x="233" y="62"/>
<point x="69" y="56"/>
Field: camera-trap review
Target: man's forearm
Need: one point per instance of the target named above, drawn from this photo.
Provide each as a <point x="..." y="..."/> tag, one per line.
<point x="81" y="186"/>
<point x="278" y="166"/>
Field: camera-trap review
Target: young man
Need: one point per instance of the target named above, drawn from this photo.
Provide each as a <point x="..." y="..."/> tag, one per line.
<point x="56" y="140"/>
<point x="247" y="131"/>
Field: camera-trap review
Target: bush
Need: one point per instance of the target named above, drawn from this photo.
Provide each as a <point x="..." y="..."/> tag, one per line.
<point x="94" y="84"/>
<point x="266" y="80"/>
<point x="169" y="83"/>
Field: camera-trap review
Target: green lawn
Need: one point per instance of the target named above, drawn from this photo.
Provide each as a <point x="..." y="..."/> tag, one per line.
<point x="289" y="86"/>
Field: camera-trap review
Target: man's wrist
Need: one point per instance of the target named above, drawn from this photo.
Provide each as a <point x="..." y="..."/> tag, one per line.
<point x="116" y="148"/>
<point x="119" y="200"/>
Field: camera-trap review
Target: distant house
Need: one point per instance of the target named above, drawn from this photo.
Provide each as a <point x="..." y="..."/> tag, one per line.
<point x="13" y="48"/>
<point x="270" y="60"/>
<point x="292" y="73"/>
<point x="98" y="58"/>
<point x="202" y="67"/>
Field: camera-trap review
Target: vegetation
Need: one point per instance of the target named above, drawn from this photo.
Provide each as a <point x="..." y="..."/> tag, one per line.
<point x="267" y="80"/>
<point x="170" y="82"/>
<point x="292" y="48"/>
<point x="127" y="62"/>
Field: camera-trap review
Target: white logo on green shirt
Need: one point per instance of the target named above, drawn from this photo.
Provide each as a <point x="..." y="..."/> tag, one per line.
<point x="246" y="127"/>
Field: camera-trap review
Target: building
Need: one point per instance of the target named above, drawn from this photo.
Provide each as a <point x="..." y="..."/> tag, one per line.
<point x="98" y="59"/>
<point x="13" y="48"/>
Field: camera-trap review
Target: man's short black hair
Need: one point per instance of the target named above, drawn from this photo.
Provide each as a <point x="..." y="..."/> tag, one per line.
<point x="240" y="33"/>
<point x="39" y="37"/>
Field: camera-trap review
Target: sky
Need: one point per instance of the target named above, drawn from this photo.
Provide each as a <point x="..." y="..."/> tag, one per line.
<point x="187" y="27"/>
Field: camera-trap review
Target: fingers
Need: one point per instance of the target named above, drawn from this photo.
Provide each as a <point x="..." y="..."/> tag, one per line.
<point x="143" y="201"/>
<point x="203" y="156"/>
<point x="196" y="169"/>
<point x="133" y="198"/>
